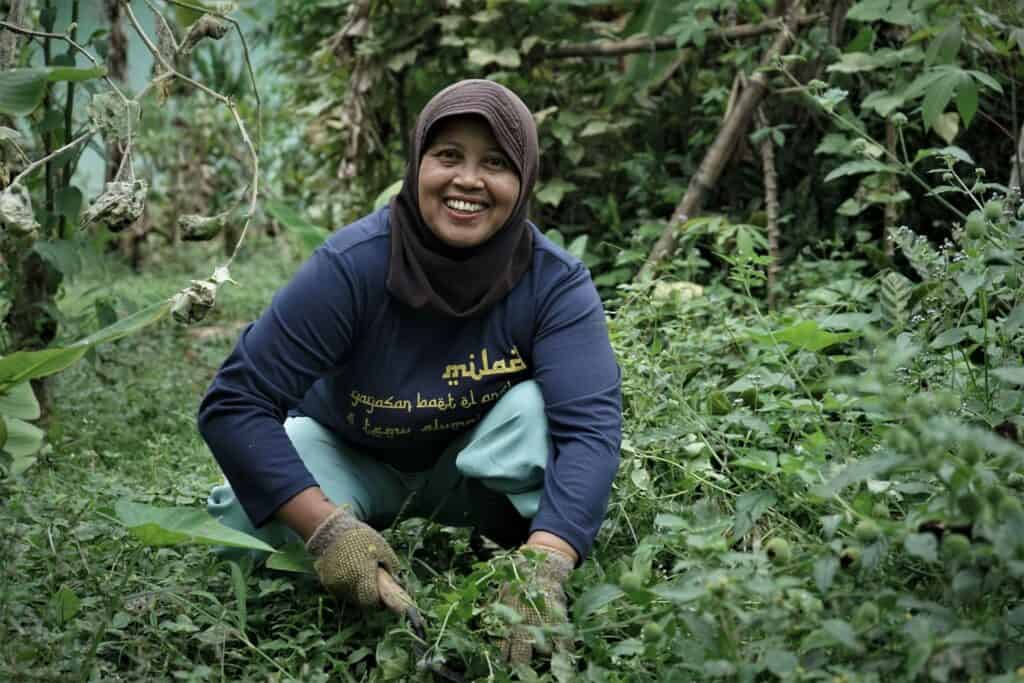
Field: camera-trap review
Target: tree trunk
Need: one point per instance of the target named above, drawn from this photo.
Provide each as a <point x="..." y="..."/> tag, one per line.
<point x="721" y="149"/>
<point x="892" y="212"/>
<point x="10" y="42"/>
<point x="1015" y="162"/>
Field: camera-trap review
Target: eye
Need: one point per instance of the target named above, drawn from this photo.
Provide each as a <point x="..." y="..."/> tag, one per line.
<point x="447" y="154"/>
<point x="499" y="162"/>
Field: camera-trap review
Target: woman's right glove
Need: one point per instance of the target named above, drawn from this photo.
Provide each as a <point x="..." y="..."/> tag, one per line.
<point x="347" y="555"/>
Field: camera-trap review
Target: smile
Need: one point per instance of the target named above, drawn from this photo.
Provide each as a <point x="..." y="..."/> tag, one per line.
<point x="464" y="206"/>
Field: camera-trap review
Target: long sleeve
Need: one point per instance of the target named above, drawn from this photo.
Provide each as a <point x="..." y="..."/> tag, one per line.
<point x="580" y="381"/>
<point x="304" y="334"/>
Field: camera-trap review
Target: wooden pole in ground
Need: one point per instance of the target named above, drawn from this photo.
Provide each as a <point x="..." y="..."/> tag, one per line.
<point x="721" y="149"/>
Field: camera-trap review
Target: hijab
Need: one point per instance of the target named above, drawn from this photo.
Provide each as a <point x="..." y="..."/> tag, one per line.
<point x="424" y="272"/>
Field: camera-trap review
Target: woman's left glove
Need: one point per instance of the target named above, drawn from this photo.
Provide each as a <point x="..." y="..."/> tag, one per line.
<point x="347" y="556"/>
<point x="544" y="573"/>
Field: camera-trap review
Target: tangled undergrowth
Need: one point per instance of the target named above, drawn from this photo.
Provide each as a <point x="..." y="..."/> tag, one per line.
<point x="827" y="491"/>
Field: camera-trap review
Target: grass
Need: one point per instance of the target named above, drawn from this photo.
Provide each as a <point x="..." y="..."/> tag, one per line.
<point x="768" y="521"/>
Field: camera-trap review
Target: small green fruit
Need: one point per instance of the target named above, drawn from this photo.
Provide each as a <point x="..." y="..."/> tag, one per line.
<point x="880" y="510"/>
<point x="1010" y="506"/>
<point x="866" y="615"/>
<point x="631" y="582"/>
<point x="975" y="225"/>
<point x="993" y="209"/>
<point x="956" y="547"/>
<point x="718" y="585"/>
<point x="867" y="531"/>
<point x="652" y="632"/>
<point x="778" y="550"/>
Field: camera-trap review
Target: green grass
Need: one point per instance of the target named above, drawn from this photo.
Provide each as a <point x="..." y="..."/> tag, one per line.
<point x="766" y="523"/>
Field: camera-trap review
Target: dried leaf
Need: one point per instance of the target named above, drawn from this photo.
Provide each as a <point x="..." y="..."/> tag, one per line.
<point x="16" y="210"/>
<point x="119" y="206"/>
<point x="208" y="26"/>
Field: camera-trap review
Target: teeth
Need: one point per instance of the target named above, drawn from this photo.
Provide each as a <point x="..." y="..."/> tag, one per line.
<point x="460" y="205"/>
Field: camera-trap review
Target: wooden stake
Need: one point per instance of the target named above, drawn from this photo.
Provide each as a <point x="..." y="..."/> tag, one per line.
<point x="771" y="203"/>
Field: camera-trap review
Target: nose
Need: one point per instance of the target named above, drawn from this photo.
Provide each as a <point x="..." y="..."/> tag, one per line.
<point x="469" y="177"/>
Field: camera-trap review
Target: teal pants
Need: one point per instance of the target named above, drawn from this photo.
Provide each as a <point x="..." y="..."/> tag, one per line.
<point x="489" y="478"/>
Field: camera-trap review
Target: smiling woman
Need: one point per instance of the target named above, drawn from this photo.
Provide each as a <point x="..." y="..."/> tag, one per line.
<point x="467" y="185"/>
<point x="439" y="357"/>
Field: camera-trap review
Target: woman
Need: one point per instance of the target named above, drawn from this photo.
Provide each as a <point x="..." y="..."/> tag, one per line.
<point x="439" y="351"/>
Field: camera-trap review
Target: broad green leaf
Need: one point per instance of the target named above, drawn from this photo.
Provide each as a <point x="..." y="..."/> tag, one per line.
<point x="883" y="102"/>
<point x="944" y="49"/>
<point x="1011" y="374"/>
<point x="1014" y="320"/>
<point x="23" y="439"/>
<point x="948" y="338"/>
<point x="860" y="470"/>
<point x="923" y="546"/>
<point x="861" y="166"/>
<point x="25" y="365"/>
<point x="292" y="558"/>
<point x="947" y="126"/>
<point x="157" y="526"/>
<point x="555" y="237"/>
<point x="21" y="90"/>
<point x="970" y="282"/>
<point x="19" y="401"/>
<point x="750" y="507"/>
<point x="63" y="255"/>
<point x="868" y="10"/>
<point x="553" y="191"/>
<point x="937" y="96"/>
<point x="806" y="335"/>
<point x="66" y="605"/>
<point x="825" y="572"/>
<point x="578" y="247"/>
<point x="967" y="101"/>
<point x="595" y="598"/>
<point x="310" y="235"/>
<point x="69" y="203"/>
<point x="843" y="634"/>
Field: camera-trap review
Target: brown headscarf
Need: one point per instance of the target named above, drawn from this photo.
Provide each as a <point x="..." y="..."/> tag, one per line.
<point x="463" y="282"/>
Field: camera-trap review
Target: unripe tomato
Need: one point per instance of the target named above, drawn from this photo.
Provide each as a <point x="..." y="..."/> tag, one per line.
<point x="631" y="582"/>
<point x="975" y="225"/>
<point x="652" y="631"/>
<point x="867" y="531"/>
<point x="956" y="547"/>
<point x="993" y="209"/>
<point x="777" y="550"/>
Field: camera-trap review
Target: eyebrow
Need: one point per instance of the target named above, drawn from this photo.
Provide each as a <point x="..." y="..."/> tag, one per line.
<point x="441" y="140"/>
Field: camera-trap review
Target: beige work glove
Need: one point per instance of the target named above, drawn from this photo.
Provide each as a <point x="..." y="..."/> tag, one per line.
<point x="347" y="554"/>
<point x="545" y="575"/>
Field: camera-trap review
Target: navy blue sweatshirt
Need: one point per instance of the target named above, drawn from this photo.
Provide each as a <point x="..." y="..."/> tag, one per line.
<point x="402" y="383"/>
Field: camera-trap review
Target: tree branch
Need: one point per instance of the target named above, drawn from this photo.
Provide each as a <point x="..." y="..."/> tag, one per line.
<point x="635" y="45"/>
<point x="721" y="149"/>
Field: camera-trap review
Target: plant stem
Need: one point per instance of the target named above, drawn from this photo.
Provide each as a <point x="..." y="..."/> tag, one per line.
<point x="45" y="160"/>
<point x="69" y="103"/>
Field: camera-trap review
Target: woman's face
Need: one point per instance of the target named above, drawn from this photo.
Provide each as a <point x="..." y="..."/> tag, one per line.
<point x="467" y="185"/>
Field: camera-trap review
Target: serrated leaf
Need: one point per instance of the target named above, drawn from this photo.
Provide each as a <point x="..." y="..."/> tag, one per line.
<point x="967" y="101"/>
<point x="750" y="507"/>
<point x="807" y="335"/>
<point x="948" y="338"/>
<point x="595" y="598"/>
<point x="937" y="96"/>
<point x="894" y="296"/>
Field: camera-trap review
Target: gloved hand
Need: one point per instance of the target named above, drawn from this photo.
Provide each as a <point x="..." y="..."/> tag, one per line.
<point x="547" y="574"/>
<point x="347" y="555"/>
